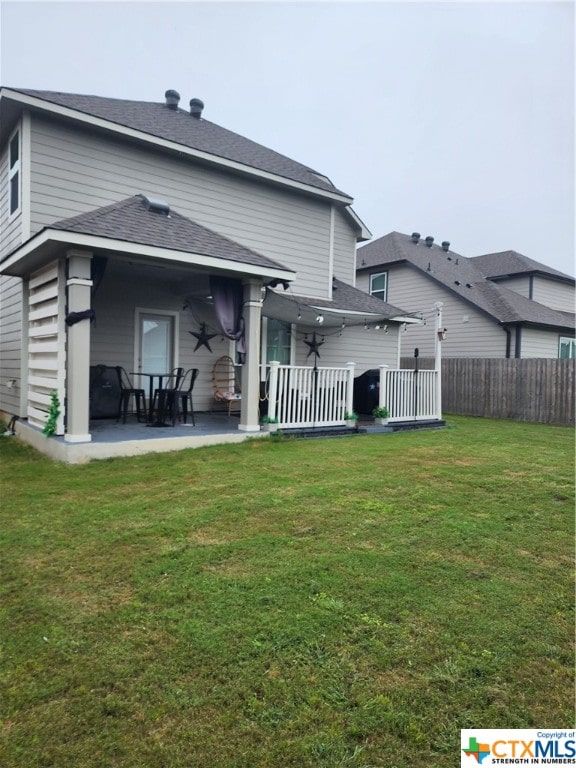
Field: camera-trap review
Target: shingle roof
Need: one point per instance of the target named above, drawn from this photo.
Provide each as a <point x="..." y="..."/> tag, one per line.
<point x="494" y="265"/>
<point x="131" y="221"/>
<point x="346" y="297"/>
<point x="462" y="276"/>
<point x="156" y="119"/>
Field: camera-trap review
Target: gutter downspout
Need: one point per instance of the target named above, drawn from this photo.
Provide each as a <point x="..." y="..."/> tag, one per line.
<point x="518" y="342"/>
<point x="508" y="342"/>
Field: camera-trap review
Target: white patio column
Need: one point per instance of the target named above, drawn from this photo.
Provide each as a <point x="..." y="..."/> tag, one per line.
<point x="350" y="389"/>
<point x="382" y="389"/>
<point x="249" y="421"/>
<point x="78" y="284"/>
<point x="273" y="391"/>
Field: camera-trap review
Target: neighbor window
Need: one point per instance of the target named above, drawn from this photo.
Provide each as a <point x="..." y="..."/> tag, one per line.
<point x="14" y="173"/>
<point x="567" y="347"/>
<point x="278" y="341"/>
<point x="379" y="285"/>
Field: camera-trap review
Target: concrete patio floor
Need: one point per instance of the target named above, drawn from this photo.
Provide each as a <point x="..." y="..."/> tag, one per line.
<point x="113" y="439"/>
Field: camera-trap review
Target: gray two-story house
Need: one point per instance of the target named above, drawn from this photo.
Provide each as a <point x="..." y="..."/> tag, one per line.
<point x="119" y="221"/>
<point x="500" y="305"/>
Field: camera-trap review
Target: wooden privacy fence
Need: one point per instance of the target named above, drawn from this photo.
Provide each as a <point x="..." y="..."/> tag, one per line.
<point x="539" y="390"/>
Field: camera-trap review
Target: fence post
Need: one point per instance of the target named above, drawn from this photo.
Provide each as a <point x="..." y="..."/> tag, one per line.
<point x="350" y="390"/>
<point x="273" y="388"/>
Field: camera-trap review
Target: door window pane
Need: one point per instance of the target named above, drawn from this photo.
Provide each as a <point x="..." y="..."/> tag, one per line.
<point x="279" y="342"/>
<point x="157" y="343"/>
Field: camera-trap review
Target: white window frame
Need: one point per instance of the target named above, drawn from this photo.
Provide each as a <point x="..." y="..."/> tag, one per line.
<point x="376" y="292"/>
<point x="571" y="341"/>
<point x="15" y="171"/>
<point x="139" y="312"/>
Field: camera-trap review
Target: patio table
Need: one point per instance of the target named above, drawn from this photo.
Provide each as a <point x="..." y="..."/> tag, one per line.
<point x="160" y="410"/>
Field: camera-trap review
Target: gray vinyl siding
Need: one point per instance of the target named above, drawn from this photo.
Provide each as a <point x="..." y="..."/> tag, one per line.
<point x="10" y="228"/>
<point x="368" y="349"/>
<point x="74" y="172"/>
<point x="10" y="344"/>
<point x="519" y="284"/>
<point x="539" y="343"/>
<point x="344" y="249"/>
<point x="471" y="333"/>
<point x="554" y="294"/>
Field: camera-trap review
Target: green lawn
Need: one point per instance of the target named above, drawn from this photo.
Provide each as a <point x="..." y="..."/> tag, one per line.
<point x="320" y="603"/>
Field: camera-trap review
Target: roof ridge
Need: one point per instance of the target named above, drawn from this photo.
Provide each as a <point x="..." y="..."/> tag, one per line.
<point x="156" y="121"/>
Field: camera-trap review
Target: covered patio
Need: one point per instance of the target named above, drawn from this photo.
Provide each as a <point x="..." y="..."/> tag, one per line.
<point x="137" y="286"/>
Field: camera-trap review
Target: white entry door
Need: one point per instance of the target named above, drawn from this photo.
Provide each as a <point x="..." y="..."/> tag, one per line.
<point x="156" y="348"/>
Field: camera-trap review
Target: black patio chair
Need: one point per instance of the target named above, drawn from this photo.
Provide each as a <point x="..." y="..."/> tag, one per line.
<point x="179" y="399"/>
<point x="171" y="386"/>
<point x="128" y="390"/>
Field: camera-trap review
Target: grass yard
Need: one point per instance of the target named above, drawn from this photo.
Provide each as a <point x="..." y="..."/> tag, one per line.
<point x="316" y="604"/>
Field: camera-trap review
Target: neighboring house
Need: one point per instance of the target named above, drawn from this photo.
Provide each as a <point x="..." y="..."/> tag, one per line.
<point x="119" y="215"/>
<point x="497" y="305"/>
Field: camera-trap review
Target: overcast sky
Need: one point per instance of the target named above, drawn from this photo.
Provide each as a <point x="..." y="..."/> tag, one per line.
<point x="452" y="119"/>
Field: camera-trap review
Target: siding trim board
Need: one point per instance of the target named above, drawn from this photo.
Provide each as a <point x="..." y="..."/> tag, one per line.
<point x="180" y="149"/>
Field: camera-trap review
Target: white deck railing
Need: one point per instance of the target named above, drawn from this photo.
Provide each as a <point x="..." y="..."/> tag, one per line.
<point x="410" y="395"/>
<point x="300" y="396"/>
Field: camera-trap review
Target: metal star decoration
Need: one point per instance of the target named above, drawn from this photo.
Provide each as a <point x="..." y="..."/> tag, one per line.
<point x="314" y="344"/>
<point x="203" y="337"/>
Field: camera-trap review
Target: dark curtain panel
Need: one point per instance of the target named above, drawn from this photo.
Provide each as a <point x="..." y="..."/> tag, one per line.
<point x="228" y="297"/>
<point x="98" y="268"/>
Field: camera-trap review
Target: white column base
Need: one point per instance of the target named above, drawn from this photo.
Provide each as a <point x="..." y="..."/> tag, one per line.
<point x="78" y="438"/>
<point x="249" y="427"/>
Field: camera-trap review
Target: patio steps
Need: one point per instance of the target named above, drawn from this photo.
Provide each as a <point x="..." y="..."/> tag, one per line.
<point x="364" y="427"/>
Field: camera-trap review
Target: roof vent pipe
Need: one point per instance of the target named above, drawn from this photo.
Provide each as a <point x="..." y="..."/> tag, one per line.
<point x="415" y="237"/>
<point x="172" y="99"/>
<point x="429" y="241"/>
<point x="196" y="107"/>
<point x="445" y="245"/>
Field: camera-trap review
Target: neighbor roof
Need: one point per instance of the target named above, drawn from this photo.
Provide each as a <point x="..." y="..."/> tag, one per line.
<point x="462" y="276"/>
<point x="178" y="126"/>
<point x="507" y="263"/>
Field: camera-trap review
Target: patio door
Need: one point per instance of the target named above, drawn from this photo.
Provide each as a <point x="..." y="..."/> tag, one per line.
<point x="155" y="341"/>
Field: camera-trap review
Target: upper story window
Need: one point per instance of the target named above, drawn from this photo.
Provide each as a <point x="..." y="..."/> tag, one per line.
<point x="379" y="285"/>
<point x="567" y="348"/>
<point x="14" y="173"/>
